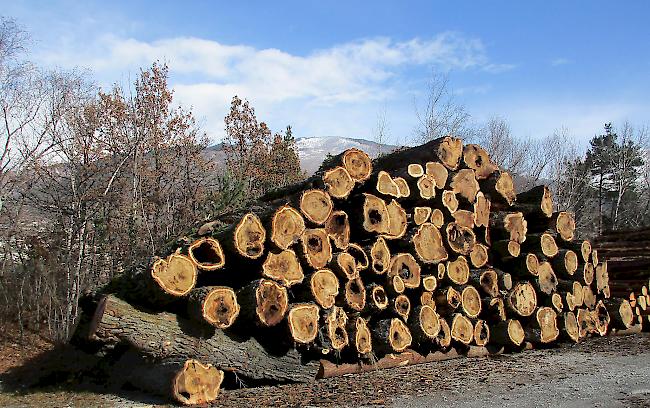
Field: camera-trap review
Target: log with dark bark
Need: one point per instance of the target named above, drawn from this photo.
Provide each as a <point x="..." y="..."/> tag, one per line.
<point x="337" y="227"/>
<point x="500" y="189"/>
<point x="448" y="150"/>
<point x="481" y="333"/>
<point x="536" y="204"/>
<point x="283" y="267"/>
<point x="568" y="326"/>
<point x="543" y="328"/>
<point x="477" y="159"/>
<point x="479" y="256"/>
<point x="302" y="320"/>
<point x="379" y="256"/>
<point x="345" y="266"/>
<point x="428" y="244"/>
<point x="263" y="302"/>
<point x="542" y="243"/>
<point x="620" y="312"/>
<point x="333" y="330"/>
<point x="507" y="333"/>
<point x="391" y="336"/>
<point x="460" y="240"/>
<point x="164" y="335"/>
<point x="508" y="226"/>
<point x="464" y="184"/>
<point x="377" y="298"/>
<point x="216" y="305"/>
<point x="359" y="335"/>
<point x="470" y="301"/>
<point x="424" y="324"/>
<point x="188" y="382"/>
<point x="207" y="254"/>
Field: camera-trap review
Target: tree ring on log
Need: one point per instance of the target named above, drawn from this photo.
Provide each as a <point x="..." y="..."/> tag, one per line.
<point x="207" y="254"/>
<point x="196" y="383"/>
<point x="346" y="266"/>
<point x="378" y="297"/>
<point x="477" y="159"/>
<point x="458" y="270"/>
<point x="481" y="333"/>
<point x="358" y="164"/>
<point x="386" y="186"/>
<point x="335" y="324"/>
<point x="415" y="170"/>
<point x="546" y="278"/>
<point x="338" y="181"/>
<point x="522" y="299"/>
<point x="250" y="236"/>
<point x="449" y="152"/>
<point x="462" y="329"/>
<point x="406" y="267"/>
<point x="397" y="221"/>
<point x="460" y="239"/>
<point x="437" y="218"/>
<point x="338" y="228"/>
<point x="464" y="184"/>
<point x="316" y="205"/>
<point x="449" y="200"/>
<point x="355" y="294"/>
<point x="375" y="215"/>
<point x="283" y="267"/>
<point x="439" y="173"/>
<point x="426" y="187"/>
<point x="287" y="226"/>
<point x="402" y="187"/>
<point x="402" y="306"/>
<point x="220" y="307"/>
<point x="175" y="275"/>
<point x="428" y="244"/>
<point x="570" y="327"/>
<point x="272" y="302"/>
<point x="324" y="287"/>
<point x="359" y="255"/>
<point x="505" y="185"/>
<point x="421" y="215"/>
<point x="303" y="322"/>
<point x="361" y="337"/>
<point x="471" y="301"/>
<point x="429" y="283"/>
<point x="482" y="210"/>
<point x="316" y="247"/>
<point x="380" y="256"/>
<point x="565" y="225"/>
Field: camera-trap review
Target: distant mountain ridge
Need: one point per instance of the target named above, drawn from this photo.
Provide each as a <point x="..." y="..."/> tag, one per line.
<point x="312" y="150"/>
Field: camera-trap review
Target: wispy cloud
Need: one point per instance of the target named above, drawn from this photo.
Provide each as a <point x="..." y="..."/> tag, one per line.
<point x="560" y="61"/>
<point x="208" y="73"/>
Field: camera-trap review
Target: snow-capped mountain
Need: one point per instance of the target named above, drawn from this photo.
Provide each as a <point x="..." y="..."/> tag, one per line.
<point x="312" y="150"/>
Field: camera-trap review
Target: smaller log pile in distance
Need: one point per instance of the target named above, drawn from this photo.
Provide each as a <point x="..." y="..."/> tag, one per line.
<point x="423" y="250"/>
<point x="628" y="259"/>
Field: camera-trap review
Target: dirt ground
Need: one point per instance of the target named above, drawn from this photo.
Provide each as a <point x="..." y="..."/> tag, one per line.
<point x="600" y="372"/>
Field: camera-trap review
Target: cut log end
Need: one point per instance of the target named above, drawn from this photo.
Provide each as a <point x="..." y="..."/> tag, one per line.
<point x="336" y="335"/>
<point x="324" y="287"/>
<point x="415" y="170"/>
<point x="465" y="185"/>
<point x="272" y="302"/>
<point x="283" y="267"/>
<point x="316" y="205"/>
<point x="358" y="164"/>
<point x="392" y="335"/>
<point x="355" y="294"/>
<point x="438" y="172"/>
<point x="219" y="307"/>
<point x="458" y="270"/>
<point x="380" y="256"/>
<point x="316" y="247"/>
<point x="546" y="330"/>
<point x="429" y="283"/>
<point x="377" y="298"/>
<point x="287" y="226"/>
<point x="522" y="299"/>
<point x="175" y="275"/>
<point x="360" y="256"/>
<point x="482" y="210"/>
<point x="505" y="186"/>
<point x="437" y="218"/>
<point x="402" y="187"/>
<point x="479" y="255"/>
<point x="196" y="383"/>
<point x="397" y="221"/>
<point x="546" y="279"/>
<point x="477" y="159"/>
<point x="449" y="200"/>
<point x="250" y="236"/>
<point x="402" y="306"/>
<point x="444" y="336"/>
<point x="302" y="320"/>
<point x="360" y="336"/>
<point x="424" y="324"/>
<point x="462" y="329"/>
<point x="481" y="333"/>
<point x="460" y="239"/>
<point x="449" y="151"/>
<point x="337" y="227"/>
<point x="515" y="332"/>
<point x="338" y="181"/>
<point x="426" y="187"/>
<point x="569" y="327"/>
<point x="565" y="225"/>
<point x="428" y="244"/>
<point x="421" y="215"/>
<point x="207" y="254"/>
<point x="386" y="185"/>
<point x="345" y="265"/>
<point x="406" y="267"/>
<point x="548" y="245"/>
<point x="375" y="215"/>
<point x="471" y="301"/>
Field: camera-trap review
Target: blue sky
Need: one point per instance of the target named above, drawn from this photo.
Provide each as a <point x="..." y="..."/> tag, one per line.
<point x="329" y="68"/>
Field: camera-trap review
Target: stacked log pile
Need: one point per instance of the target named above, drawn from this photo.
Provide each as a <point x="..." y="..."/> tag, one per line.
<point x="426" y="250"/>
<point x="628" y="259"/>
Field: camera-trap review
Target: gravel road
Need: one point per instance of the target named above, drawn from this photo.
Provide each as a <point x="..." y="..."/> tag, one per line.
<point x="600" y="372"/>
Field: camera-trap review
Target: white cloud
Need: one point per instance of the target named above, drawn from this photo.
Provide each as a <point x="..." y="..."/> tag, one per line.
<point x="206" y="74"/>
